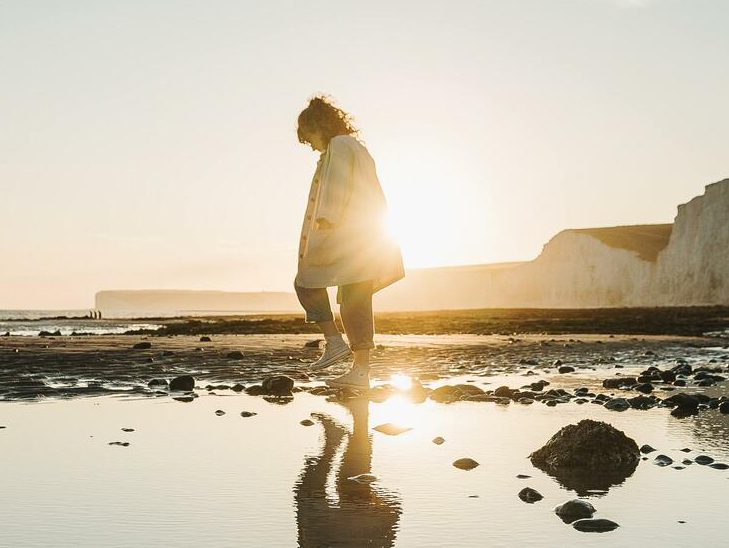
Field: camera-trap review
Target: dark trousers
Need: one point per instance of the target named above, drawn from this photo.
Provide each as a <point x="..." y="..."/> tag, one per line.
<point x="355" y="310"/>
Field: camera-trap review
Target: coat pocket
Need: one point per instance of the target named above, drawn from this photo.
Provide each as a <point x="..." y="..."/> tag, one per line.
<point x="322" y="247"/>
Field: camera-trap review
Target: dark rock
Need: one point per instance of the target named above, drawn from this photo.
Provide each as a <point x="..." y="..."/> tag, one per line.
<point x="618" y="404"/>
<point x="127" y="429"/>
<point x="220" y="412"/>
<point x="646" y="449"/>
<point x="566" y="369"/>
<point x="234" y="355"/>
<point x="205" y="338"/>
<point x="588" y="455"/>
<point x="574" y="509"/>
<point x="504" y="392"/>
<point x="662" y="460"/>
<point x="437" y="440"/>
<point x="522" y="476"/>
<point x="682" y="400"/>
<point x="465" y="464"/>
<point x="306" y="422"/>
<point x="278" y="385"/>
<point x="144" y="345"/>
<point x="184" y="383"/>
<point x="719" y="465"/>
<point x="642" y="402"/>
<point x="703" y="459"/>
<point x="313" y="344"/>
<point x="237" y="387"/>
<point x="619" y="382"/>
<point x="529" y="495"/>
<point x="157" y="382"/>
<point x="248" y="414"/>
<point x="120" y="443"/>
<point x="595" y="525"/>
<point x="724" y="407"/>
<point x="645" y="388"/>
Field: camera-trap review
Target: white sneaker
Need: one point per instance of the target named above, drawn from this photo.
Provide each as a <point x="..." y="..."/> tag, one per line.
<point x="356" y="378"/>
<point x="334" y="351"/>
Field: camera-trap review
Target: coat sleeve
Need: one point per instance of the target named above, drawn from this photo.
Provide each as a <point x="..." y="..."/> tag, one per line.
<point x="336" y="182"/>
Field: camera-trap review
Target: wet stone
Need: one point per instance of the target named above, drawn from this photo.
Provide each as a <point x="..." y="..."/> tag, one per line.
<point x="234" y="355"/>
<point x="220" y="412"/>
<point x="595" y="525"/>
<point x="248" y="414"/>
<point x="573" y="510"/>
<point x="662" y="460"/>
<point x="465" y="464"/>
<point x="719" y="466"/>
<point x="437" y="440"/>
<point x="183" y="383"/>
<point x="646" y="449"/>
<point x="120" y="443"/>
<point x="530" y="495"/>
<point x="306" y="422"/>
<point x="703" y="459"/>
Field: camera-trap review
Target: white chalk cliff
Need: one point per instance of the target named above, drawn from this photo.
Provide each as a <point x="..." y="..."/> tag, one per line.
<point x="684" y="264"/>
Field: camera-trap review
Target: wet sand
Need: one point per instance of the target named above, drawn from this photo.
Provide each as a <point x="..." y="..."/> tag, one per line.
<point x="144" y="466"/>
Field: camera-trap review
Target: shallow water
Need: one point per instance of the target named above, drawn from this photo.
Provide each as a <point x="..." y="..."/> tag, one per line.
<point x="191" y="478"/>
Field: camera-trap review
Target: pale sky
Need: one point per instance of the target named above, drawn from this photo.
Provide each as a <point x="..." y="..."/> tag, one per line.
<point x="152" y="144"/>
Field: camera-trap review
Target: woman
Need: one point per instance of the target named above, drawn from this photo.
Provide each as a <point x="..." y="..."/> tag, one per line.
<point x="343" y="240"/>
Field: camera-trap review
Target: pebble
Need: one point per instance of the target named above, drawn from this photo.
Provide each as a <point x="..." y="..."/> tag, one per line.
<point x="663" y="460"/>
<point x="719" y="465"/>
<point x="120" y="443"/>
<point x="645" y="449"/>
<point x="522" y="476"/>
<point x="438" y="440"/>
<point x="248" y="414"/>
<point x="220" y="412"/>
<point x="391" y="429"/>
<point x="142" y="345"/>
<point x="529" y="495"/>
<point x="573" y="510"/>
<point x="465" y="464"/>
<point x="595" y="525"/>
<point x="127" y="429"/>
<point x="703" y="459"/>
<point x="307" y="422"/>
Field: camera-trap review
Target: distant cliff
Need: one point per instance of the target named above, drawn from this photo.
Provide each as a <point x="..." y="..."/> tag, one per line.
<point x="686" y="263"/>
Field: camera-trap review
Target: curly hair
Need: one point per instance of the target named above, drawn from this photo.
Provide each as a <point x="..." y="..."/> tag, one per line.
<point x="321" y="115"/>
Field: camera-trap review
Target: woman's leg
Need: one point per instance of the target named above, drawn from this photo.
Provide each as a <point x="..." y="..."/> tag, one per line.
<point x="357" y="318"/>
<point x="316" y="304"/>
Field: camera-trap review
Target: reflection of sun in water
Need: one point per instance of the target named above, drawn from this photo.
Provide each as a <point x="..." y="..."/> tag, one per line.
<point x="401" y="382"/>
<point x="398" y="410"/>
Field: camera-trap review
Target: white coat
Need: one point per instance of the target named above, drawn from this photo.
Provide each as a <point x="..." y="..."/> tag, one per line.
<point x="346" y="193"/>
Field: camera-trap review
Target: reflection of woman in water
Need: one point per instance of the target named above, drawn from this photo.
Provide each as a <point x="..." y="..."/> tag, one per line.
<point x="343" y="240"/>
<point x="363" y="515"/>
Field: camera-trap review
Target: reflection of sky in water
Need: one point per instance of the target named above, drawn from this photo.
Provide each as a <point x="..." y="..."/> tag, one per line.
<point x="190" y="478"/>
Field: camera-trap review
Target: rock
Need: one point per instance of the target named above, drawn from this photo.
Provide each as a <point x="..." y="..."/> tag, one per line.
<point x="522" y="476"/>
<point x="391" y="429"/>
<point x="127" y="429"/>
<point x="529" y="495"/>
<point x="588" y="455"/>
<point x="255" y="390"/>
<point x="566" y="369"/>
<point x="619" y="382"/>
<point x="642" y="402"/>
<point x="724" y="407"/>
<point x="278" y="385"/>
<point x="157" y="382"/>
<point x="234" y="355"/>
<point x="703" y="459"/>
<point x="685" y="450"/>
<point x="313" y="344"/>
<point x="144" y="345"/>
<point x="307" y="422"/>
<point x="574" y="509"/>
<point x="237" y="387"/>
<point x="364" y="479"/>
<point x="682" y="401"/>
<point x="595" y="525"/>
<point x="645" y="388"/>
<point x="662" y="460"/>
<point x="120" y="443"/>
<point x="504" y="392"/>
<point x="617" y="404"/>
<point x="248" y="414"/>
<point x="438" y="440"/>
<point x="220" y="412"/>
<point x="646" y="449"/>
<point x="184" y="383"/>
<point x="719" y="465"/>
<point x="465" y="464"/>
<point x="205" y="338"/>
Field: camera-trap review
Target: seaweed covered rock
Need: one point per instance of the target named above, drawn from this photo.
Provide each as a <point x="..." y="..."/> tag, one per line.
<point x="588" y="455"/>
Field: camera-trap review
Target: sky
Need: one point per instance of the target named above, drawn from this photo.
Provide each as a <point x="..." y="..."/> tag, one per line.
<point x="153" y="144"/>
